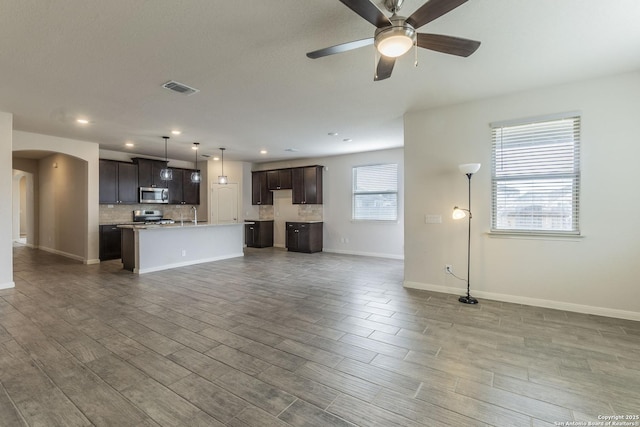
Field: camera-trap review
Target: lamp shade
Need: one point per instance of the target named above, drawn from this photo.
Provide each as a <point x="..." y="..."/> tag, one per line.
<point x="458" y="213"/>
<point x="469" y="168"/>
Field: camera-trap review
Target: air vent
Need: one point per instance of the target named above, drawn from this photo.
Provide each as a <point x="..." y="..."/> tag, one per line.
<point x="180" y="88"/>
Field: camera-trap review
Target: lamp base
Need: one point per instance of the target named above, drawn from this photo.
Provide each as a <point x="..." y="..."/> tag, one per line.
<point x="467" y="299"/>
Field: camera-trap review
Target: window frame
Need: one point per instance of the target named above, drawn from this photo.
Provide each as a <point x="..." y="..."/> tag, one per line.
<point x="355" y="193"/>
<point x="574" y="175"/>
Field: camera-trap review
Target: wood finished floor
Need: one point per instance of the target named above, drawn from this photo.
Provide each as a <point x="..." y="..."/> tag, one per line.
<point x="279" y="339"/>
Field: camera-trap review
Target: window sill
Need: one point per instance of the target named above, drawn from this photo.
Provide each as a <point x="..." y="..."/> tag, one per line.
<point x="534" y="236"/>
<point x="375" y="221"/>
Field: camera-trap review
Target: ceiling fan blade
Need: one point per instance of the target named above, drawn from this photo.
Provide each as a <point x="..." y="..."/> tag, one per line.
<point x="384" y="68"/>
<point x="368" y="11"/>
<point x="448" y="44"/>
<point x="339" y="48"/>
<point x="431" y="10"/>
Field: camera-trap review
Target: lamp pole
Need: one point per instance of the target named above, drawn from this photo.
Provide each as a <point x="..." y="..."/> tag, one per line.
<point x="468" y="299"/>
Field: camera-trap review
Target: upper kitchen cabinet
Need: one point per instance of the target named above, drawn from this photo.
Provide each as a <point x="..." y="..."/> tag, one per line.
<point x="190" y="190"/>
<point x="149" y="172"/>
<point x="118" y="182"/>
<point x="279" y="179"/>
<point x="260" y="194"/>
<point x="181" y="190"/>
<point x="307" y="185"/>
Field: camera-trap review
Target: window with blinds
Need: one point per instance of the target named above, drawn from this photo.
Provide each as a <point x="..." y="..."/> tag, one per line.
<point x="375" y="192"/>
<point x="536" y="176"/>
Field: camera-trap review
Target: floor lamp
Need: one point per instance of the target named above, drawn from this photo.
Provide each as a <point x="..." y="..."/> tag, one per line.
<point x="458" y="213"/>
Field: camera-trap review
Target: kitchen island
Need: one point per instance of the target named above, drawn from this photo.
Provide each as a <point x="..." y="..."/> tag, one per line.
<point x="149" y="248"/>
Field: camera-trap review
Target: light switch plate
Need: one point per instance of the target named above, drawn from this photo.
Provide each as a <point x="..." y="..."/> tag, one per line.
<point x="433" y="219"/>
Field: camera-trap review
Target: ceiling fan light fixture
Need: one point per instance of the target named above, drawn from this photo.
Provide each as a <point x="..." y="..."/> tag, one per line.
<point x="395" y="41"/>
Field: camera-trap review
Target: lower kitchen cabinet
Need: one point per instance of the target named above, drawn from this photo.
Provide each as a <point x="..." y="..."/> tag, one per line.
<point x="304" y="236"/>
<point x="259" y="234"/>
<point x="110" y="241"/>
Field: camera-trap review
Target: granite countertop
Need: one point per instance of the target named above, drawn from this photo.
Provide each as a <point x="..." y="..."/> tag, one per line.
<point x="173" y="226"/>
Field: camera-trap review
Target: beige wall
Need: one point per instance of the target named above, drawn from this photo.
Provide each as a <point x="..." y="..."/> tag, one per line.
<point x="597" y="273"/>
<point x="6" y="244"/>
<point x="87" y="231"/>
<point x="29" y="169"/>
<point x="63" y="205"/>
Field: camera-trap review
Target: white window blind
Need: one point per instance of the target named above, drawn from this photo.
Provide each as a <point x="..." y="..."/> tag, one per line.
<point x="536" y="176"/>
<point x="375" y="192"/>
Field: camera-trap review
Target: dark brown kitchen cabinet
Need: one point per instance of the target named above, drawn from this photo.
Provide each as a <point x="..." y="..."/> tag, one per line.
<point x="181" y="190"/>
<point x="149" y="172"/>
<point x="304" y="236"/>
<point x="259" y="234"/>
<point x="118" y="182"/>
<point x="260" y="195"/>
<point x="307" y="185"/>
<point x="190" y="190"/>
<point x="110" y="241"/>
<point x="175" y="187"/>
<point x="279" y="179"/>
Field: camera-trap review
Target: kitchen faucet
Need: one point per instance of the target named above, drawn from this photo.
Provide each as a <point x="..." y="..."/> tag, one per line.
<point x="195" y="215"/>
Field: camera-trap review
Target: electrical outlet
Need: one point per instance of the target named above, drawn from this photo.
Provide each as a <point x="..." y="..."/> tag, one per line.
<point x="184" y="252"/>
<point x="448" y="268"/>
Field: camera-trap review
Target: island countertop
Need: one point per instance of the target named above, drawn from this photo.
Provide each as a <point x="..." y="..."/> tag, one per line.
<point x="154" y="247"/>
<point x="174" y="225"/>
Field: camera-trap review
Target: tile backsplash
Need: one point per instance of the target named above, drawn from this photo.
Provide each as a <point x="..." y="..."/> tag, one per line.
<point x="304" y="212"/>
<point x="124" y="213"/>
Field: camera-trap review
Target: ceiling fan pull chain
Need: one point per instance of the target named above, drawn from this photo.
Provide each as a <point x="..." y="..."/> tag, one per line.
<point x="415" y="44"/>
<point x="375" y="63"/>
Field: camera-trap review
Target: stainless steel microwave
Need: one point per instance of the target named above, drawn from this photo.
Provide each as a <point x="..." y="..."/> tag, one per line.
<point x="154" y="195"/>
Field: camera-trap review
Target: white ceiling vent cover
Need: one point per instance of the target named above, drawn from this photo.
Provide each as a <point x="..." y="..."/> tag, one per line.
<point x="180" y="88"/>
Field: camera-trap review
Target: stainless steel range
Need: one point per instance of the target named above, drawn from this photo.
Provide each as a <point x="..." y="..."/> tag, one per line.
<point x="150" y="216"/>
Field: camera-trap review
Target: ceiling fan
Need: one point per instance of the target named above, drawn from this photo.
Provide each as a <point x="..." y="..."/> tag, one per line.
<point x="394" y="36"/>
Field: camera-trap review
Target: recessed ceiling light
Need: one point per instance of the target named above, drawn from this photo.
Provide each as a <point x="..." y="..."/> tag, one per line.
<point x="216" y="158"/>
<point x="129" y="144"/>
<point x="263" y="151"/>
<point x="347" y="140"/>
<point x="194" y="147"/>
<point x="83" y="121"/>
<point x="176" y="132"/>
<point x="333" y="134"/>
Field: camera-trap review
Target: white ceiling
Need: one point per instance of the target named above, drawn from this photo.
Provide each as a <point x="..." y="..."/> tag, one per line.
<point x="107" y="59"/>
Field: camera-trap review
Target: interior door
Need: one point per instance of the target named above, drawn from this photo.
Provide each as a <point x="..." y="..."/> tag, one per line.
<point x="224" y="203"/>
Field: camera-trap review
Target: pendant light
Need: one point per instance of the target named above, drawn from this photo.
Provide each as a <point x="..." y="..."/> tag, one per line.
<point x="166" y="174"/>
<point x="195" y="175"/>
<point x="222" y="178"/>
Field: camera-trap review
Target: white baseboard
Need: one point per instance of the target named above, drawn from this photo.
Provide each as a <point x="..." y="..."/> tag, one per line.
<point x="536" y="302"/>
<point x="370" y="254"/>
<point x="7" y="285"/>
<point x="92" y="261"/>
<point x="62" y="253"/>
